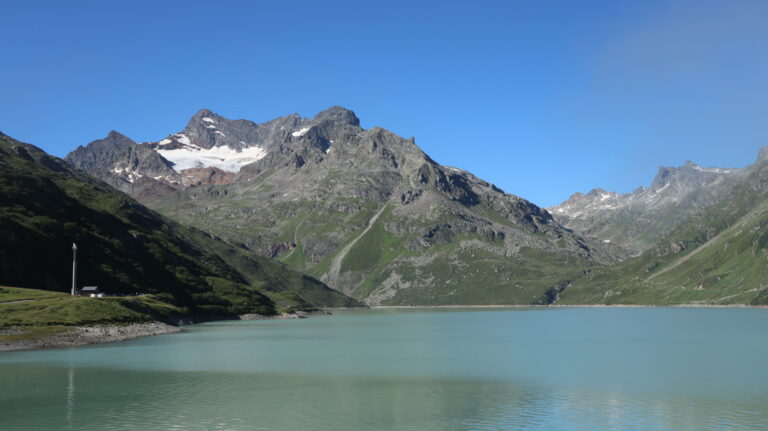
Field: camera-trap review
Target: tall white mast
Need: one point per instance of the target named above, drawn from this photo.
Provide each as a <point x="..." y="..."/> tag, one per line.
<point x="74" y="269"/>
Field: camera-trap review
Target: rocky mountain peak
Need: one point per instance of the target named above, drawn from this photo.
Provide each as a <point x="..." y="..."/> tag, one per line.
<point x="576" y="197"/>
<point x="116" y="138"/>
<point x="119" y="160"/>
<point x="762" y="154"/>
<point x="662" y="177"/>
<point x="580" y="204"/>
<point x="106" y="148"/>
<point x="339" y="115"/>
<point x="203" y="117"/>
<point x="206" y="129"/>
<point x="598" y="192"/>
<point x="688" y="176"/>
<point x="204" y="112"/>
<point x="635" y="220"/>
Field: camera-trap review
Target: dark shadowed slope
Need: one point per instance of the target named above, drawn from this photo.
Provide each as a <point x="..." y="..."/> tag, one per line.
<point x="45" y="205"/>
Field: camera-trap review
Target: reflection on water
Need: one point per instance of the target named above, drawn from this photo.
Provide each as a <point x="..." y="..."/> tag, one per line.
<point x="70" y="395"/>
<point x="406" y="370"/>
<point x="144" y="400"/>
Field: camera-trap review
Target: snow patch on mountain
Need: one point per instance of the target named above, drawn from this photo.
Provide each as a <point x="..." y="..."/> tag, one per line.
<point x="184" y="139"/>
<point x="303" y="131"/>
<point x="224" y="158"/>
<point x="126" y="172"/>
<point x="661" y="189"/>
<point x="712" y="170"/>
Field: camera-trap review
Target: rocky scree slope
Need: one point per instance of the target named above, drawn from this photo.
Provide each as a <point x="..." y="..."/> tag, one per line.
<point x="46" y="205"/>
<point x="364" y="210"/>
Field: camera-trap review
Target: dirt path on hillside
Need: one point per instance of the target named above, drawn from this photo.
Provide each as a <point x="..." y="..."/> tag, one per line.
<point x="295" y="240"/>
<point x="335" y="268"/>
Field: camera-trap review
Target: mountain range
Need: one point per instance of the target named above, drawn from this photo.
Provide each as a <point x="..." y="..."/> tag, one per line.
<point x="371" y="215"/>
<point x="364" y="210"/>
<point x="637" y="220"/>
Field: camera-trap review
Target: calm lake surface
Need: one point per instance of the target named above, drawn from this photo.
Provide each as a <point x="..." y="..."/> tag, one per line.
<point x="414" y="369"/>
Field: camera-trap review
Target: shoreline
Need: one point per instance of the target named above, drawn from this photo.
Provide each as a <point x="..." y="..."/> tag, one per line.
<point x="384" y="307"/>
<point x="77" y="336"/>
<point x="83" y="335"/>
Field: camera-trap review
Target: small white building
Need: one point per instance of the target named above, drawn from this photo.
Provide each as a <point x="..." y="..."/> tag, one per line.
<point x="91" y="291"/>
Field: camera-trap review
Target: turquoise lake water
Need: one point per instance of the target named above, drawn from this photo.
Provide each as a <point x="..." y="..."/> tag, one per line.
<point x="414" y="369"/>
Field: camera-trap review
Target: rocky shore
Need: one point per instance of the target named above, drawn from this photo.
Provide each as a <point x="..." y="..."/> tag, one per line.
<point x="296" y="315"/>
<point x="83" y="335"/>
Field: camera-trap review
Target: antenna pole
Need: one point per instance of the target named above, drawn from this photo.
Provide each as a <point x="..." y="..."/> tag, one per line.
<point x="74" y="269"/>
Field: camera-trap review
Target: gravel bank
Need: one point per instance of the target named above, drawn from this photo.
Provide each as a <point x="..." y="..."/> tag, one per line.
<point x="83" y="335"/>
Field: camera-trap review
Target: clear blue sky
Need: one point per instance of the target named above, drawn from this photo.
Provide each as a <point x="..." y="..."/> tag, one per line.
<point x="542" y="98"/>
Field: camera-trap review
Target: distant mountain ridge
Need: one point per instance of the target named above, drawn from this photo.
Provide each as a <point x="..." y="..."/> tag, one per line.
<point x="717" y="256"/>
<point x="369" y="213"/>
<point x="366" y="211"/>
<point x="639" y="219"/>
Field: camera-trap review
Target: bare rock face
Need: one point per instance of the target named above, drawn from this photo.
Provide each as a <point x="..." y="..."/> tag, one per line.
<point x="120" y="161"/>
<point x="205" y="176"/>
<point x="364" y="210"/>
<point x="762" y="155"/>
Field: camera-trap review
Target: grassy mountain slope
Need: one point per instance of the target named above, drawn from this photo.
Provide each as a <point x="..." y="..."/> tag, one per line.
<point x="42" y="308"/>
<point x="45" y="205"/>
<point x="31" y="318"/>
<point x="717" y="257"/>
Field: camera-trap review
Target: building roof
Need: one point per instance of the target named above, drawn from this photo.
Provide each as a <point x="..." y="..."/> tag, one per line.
<point x="90" y="289"/>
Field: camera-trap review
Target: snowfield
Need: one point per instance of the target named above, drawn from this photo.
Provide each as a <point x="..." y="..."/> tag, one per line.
<point x="224" y="158"/>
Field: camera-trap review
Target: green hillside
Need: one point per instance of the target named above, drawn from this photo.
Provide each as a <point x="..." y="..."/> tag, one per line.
<point x="30" y="314"/>
<point x="39" y="308"/>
